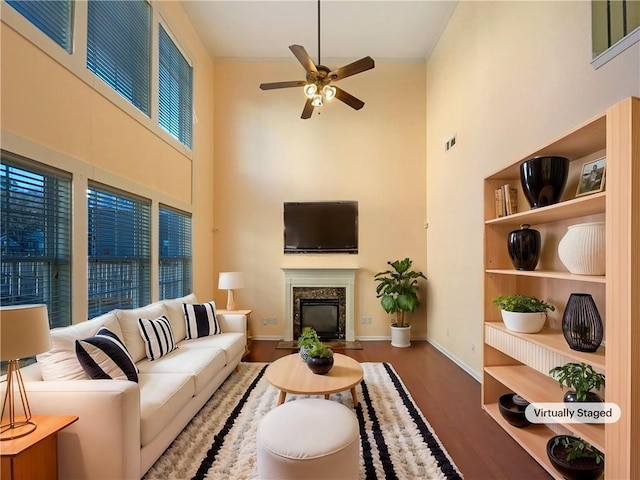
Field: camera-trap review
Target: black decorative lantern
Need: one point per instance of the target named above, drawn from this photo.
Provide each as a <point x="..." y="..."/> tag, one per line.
<point x="581" y="323"/>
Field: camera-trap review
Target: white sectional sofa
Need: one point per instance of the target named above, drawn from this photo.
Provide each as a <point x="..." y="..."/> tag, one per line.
<point x="123" y="426"/>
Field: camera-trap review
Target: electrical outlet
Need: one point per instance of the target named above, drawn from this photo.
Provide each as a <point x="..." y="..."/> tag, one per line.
<point x="448" y="334"/>
<point x="265" y="321"/>
<point x="450" y="143"/>
<point x="366" y="320"/>
<point x="272" y="320"/>
<point x="473" y="348"/>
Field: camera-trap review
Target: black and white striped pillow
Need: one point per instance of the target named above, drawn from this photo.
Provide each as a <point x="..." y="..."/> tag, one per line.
<point x="104" y="356"/>
<point x="158" y="337"/>
<point x="201" y="320"/>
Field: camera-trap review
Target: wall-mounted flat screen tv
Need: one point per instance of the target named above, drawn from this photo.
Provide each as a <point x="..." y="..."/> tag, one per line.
<point x="321" y="227"/>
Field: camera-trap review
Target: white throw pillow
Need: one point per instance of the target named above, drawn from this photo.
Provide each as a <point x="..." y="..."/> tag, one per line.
<point x="200" y="320"/>
<point x="157" y="336"/>
<point x="104" y="357"/>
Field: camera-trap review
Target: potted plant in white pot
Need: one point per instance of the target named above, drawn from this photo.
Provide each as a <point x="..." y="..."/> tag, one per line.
<point x="523" y="313"/>
<point x="397" y="290"/>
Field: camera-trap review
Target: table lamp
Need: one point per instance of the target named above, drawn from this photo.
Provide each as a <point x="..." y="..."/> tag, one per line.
<point x="24" y="332"/>
<point x="230" y="281"/>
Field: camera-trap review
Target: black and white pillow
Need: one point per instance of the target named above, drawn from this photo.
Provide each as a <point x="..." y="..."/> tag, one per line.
<point x="104" y="356"/>
<point x="158" y="337"/>
<point x="201" y="320"/>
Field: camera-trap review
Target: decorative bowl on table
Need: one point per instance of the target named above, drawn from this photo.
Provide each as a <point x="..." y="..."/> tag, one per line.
<point x="512" y="408"/>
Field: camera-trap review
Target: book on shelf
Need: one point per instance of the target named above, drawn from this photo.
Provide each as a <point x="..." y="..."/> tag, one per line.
<point x="506" y="200"/>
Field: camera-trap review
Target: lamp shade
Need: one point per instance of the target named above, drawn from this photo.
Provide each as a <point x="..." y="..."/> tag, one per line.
<point x="231" y="280"/>
<point x="24" y="331"/>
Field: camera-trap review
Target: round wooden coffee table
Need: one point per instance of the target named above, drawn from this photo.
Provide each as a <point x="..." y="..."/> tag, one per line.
<point x="291" y="375"/>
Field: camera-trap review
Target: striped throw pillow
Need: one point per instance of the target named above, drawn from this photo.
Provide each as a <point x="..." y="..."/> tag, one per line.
<point x="157" y="336"/>
<point x="104" y="356"/>
<point x="201" y="320"/>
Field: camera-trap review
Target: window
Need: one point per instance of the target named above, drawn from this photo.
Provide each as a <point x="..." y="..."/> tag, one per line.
<point x="118" y="47"/>
<point x="175" y="253"/>
<point x="175" y="101"/>
<point x="35" y="237"/>
<point x="54" y="19"/>
<point x="119" y="237"/>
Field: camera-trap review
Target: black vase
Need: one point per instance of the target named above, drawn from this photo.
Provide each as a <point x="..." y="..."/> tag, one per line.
<point x="587" y="469"/>
<point x="581" y="323"/>
<point x="543" y="180"/>
<point x="524" y="247"/>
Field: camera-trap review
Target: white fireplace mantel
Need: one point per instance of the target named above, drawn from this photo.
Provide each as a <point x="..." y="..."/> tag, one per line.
<point x="319" y="277"/>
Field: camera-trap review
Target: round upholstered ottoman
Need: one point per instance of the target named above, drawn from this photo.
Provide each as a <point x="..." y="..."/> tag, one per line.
<point x="308" y="439"/>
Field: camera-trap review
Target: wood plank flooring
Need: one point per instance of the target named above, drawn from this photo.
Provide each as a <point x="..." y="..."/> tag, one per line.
<point x="450" y="400"/>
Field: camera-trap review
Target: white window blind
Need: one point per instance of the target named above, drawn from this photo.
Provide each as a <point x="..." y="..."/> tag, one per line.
<point x="118" y="47"/>
<point x="54" y="19"/>
<point x="35" y="237"/>
<point x="175" y="83"/>
<point x="175" y="253"/>
<point x="119" y="236"/>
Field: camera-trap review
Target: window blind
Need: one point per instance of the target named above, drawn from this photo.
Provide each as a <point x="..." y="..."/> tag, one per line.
<point x="175" y="83"/>
<point x="119" y="236"/>
<point x="118" y="47"/>
<point x="54" y="19"/>
<point x="175" y="273"/>
<point x="35" y="237"/>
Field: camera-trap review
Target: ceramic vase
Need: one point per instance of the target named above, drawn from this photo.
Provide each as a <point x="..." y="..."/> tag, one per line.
<point x="582" y="249"/>
<point x="524" y="247"/>
<point x="543" y="180"/>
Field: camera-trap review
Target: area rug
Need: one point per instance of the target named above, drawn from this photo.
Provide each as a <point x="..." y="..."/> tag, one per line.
<point x="396" y="442"/>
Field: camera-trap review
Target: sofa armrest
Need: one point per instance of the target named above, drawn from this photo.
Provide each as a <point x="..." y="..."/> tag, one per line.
<point x="105" y="441"/>
<point x="232" y="322"/>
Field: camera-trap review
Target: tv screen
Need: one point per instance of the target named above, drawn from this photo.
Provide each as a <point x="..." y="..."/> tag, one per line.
<point x="321" y="227"/>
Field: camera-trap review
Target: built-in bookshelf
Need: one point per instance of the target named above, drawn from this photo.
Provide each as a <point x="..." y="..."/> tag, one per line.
<point x="516" y="362"/>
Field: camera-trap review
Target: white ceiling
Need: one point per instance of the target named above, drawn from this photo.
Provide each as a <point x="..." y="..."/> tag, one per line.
<point x="401" y="30"/>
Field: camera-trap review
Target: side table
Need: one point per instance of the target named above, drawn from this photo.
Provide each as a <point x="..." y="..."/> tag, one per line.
<point x="247" y="314"/>
<point x="34" y="455"/>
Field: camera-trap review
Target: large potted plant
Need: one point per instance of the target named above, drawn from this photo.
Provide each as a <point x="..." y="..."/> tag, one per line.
<point x="580" y="378"/>
<point x="523" y="313"/>
<point x="574" y="458"/>
<point x="397" y="290"/>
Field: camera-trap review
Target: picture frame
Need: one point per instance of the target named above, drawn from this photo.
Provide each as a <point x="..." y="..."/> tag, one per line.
<point x="592" y="177"/>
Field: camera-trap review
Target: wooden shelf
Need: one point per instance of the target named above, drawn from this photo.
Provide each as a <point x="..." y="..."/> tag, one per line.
<point x="554" y="340"/>
<point x="536" y="387"/>
<point x="550" y="274"/>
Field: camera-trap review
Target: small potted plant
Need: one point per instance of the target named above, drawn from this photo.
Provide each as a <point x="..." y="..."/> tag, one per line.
<point x="580" y="378"/>
<point x="574" y="458"/>
<point x="397" y="290"/>
<point x="320" y="359"/>
<point x="523" y="313"/>
<point x="307" y="339"/>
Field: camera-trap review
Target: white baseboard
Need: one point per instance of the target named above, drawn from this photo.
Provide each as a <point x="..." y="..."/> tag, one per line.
<point x="277" y="338"/>
<point x="456" y="360"/>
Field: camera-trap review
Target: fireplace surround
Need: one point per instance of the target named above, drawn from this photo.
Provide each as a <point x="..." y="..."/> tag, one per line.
<point x="319" y="284"/>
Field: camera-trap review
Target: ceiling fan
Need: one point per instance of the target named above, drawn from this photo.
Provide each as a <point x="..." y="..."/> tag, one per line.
<point x="318" y="84"/>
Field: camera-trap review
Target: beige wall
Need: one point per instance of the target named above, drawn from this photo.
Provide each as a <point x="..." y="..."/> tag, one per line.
<point x="507" y="77"/>
<point x="57" y="117"/>
<point x="265" y="155"/>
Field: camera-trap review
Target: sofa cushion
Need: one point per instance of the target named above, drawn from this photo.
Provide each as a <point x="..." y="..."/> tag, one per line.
<point x="157" y="336"/>
<point x="104" y="357"/>
<point x="128" y="320"/>
<point x="61" y="361"/>
<point x="202" y="364"/>
<point x="175" y="314"/>
<point x="233" y="344"/>
<point x="162" y="397"/>
<point x="200" y="320"/>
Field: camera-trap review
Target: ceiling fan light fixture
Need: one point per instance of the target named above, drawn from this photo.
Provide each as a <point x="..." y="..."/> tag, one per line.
<point x="310" y="90"/>
<point x="317" y="100"/>
<point x="329" y="92"/>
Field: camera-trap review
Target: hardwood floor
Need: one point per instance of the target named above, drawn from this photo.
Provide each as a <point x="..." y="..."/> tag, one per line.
<point x="450" y="400"/>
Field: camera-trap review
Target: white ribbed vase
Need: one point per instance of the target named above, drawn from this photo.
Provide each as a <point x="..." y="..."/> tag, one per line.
<point x="582" y="249"/>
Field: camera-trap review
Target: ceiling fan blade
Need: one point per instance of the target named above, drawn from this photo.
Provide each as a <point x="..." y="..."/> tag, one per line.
<point x="307" y="110"/>
<point x="358" y="66"/>
<point x="304" y="58"/>
<point x="273" y="85"/>
<point x="349" y="99"/>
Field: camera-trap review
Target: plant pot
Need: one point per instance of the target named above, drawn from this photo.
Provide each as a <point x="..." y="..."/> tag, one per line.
<point x="304" y="353"/>
<point x="543" y="180"/>
<point x="572" y="397"/>
<point x="524" y="247"/>
<point x="577" y="469"/>
<point x="582" y="249"/>
<point x="320" y="366"/>
<point x="400" y="336"/>
<point x="529" y="322"/>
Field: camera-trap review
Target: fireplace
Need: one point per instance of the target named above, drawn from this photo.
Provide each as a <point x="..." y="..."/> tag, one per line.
<point x="323" y="315"/>
<point x="319" y="284"/>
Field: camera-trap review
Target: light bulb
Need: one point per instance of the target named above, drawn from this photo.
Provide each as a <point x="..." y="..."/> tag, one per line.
<point x="317" y="100"/>
<point x="329" y="92"/>
<point x="310" y="90"/>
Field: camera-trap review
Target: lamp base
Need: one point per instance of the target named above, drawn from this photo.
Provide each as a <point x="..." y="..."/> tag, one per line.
<point x="16" y="430"/>
<point x="231" y="304"/>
